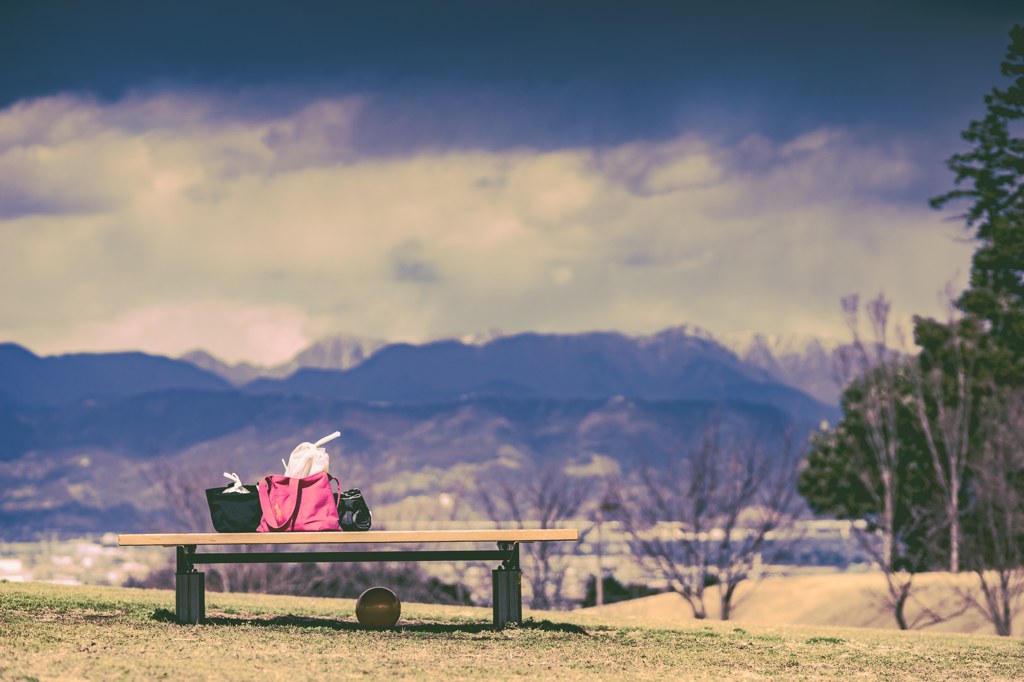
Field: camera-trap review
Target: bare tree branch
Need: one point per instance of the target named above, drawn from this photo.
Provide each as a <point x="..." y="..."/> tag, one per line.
<point x="704" y="518"/>
<point x="947" y="431"/>
<point x="997" y="514"/>
<point x="539" y="497"/>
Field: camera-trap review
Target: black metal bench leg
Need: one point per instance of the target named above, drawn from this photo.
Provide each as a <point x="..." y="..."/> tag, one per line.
<point x="508" y="588"/>
<point x="189" y="588"/>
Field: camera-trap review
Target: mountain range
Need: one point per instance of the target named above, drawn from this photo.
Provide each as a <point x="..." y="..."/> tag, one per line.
<point x="94" y="441"/>
<point x="28" y="379"/>
<point x="802" y="362"/>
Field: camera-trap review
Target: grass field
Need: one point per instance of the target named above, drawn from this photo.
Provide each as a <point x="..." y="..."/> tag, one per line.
<point x="59" y="632"/>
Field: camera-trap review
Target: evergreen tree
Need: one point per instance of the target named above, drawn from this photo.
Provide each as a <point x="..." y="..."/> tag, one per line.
<point x="990" y="177"/>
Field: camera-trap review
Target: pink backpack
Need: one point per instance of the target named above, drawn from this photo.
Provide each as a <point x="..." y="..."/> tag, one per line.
<point x="298" y="504"/>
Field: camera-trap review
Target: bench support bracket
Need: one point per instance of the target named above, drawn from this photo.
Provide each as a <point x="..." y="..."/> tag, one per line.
<point x="508" y="587"/>
<point x="189" y="588"/>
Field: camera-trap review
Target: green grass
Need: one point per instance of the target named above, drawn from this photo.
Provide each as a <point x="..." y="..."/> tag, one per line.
<point x="57" y="632"/>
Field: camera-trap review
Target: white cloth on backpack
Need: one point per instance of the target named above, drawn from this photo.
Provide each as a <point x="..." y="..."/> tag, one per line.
<point x="309" y="458"/>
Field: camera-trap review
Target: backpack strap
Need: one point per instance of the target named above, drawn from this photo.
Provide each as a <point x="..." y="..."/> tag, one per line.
<point x="268" y="510"/>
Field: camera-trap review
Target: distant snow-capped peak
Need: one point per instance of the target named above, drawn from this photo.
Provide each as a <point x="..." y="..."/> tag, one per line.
<point x="745" y="342"/>
<point x="340" y="351"/>
<point x="481" y="337"/>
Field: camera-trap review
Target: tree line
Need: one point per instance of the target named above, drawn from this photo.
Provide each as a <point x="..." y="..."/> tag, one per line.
<point x="930" y="449"/>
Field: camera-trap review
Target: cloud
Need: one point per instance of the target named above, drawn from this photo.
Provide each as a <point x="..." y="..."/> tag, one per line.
<point x="166" y="222"/>
<point x="409" y="267"/>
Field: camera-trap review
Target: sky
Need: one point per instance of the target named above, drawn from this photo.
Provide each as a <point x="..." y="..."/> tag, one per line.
<point x="249" y="177"/>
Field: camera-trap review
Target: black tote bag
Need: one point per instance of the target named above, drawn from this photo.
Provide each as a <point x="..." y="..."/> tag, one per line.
<point x="234" y="512"/>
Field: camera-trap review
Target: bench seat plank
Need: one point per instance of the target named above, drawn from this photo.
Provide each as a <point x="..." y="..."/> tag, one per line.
<point x="335" y="537"/>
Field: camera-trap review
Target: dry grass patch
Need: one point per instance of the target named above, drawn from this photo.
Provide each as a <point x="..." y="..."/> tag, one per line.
<point x="839" y="599"/>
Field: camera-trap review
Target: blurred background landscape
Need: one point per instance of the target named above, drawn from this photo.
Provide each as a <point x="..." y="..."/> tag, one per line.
<point x="87" y="438"/>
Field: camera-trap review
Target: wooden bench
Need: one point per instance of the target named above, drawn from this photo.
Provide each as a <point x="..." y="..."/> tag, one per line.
<point x="190" y="590"/>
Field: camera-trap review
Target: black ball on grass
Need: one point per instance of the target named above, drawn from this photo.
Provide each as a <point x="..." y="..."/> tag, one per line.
<point x="378" y="607"/>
